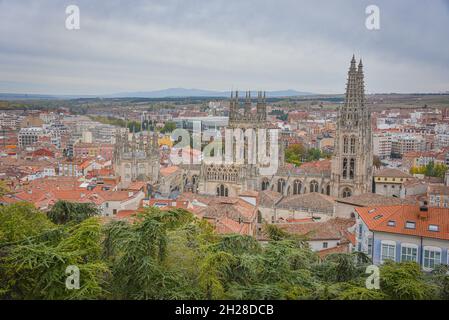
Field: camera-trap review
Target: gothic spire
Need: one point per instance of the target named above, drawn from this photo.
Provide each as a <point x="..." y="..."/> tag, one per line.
<point x="248" y="104"/>
<point x="351" y="111"/>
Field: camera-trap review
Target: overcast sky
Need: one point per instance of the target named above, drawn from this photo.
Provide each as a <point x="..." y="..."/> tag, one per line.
<point x="138" y="45"/>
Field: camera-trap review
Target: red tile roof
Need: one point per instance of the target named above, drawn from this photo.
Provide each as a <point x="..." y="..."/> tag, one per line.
<point x="377" y="220"/>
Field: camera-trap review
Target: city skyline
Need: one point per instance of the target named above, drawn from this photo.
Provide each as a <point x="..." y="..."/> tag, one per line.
<point x="221" y="46"/>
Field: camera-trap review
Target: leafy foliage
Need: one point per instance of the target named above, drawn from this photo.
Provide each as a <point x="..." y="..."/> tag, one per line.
<point x="173" y="255"/>
<point x="64" y="212"/>
<point x="297" y="154"/>
<point x="169" y="127"/>
<point x="431" y="170"/>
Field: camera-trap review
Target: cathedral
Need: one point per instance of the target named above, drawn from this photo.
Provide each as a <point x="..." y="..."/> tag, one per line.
<point x="348" y="173"/>
<point x="136" y="159"/>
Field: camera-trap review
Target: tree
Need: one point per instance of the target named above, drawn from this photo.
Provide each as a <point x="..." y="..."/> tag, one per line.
<point x="64" y="212"/>
<point x="138" y="255"/>
<point x="405" y="281"/>
<point x="20" y="221"/>
<point x="376" y="162"/>
<point x="294" y="154"/>
<point x="35" y="269"/>
<point x="174" y="255"/>
<point x="313" y="154"/>
<point x="297" y="154"/>
<point x="168" y="127"/>
<point x="360" y="293"/>
<point x="4" y="189"/>
<point x="431" y="170"/>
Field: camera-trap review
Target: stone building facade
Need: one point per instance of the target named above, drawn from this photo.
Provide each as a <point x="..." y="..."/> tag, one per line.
<point x="137" y="159"/>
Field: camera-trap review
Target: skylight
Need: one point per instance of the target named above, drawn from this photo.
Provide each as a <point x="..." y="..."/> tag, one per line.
<point x="410" y="225"/>
<point x="391" y="223"/>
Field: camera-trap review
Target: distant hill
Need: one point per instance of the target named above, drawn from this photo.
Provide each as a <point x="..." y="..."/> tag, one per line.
<point x="182" y="92"/>
<point x="157" y="94"/>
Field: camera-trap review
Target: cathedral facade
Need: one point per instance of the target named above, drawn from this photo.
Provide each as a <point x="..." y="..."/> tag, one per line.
<point x="136" y="159"/>
<point x="348" y="173"/>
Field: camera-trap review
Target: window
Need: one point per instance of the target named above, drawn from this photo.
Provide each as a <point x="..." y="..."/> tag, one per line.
<point x="433" y="227"/>
<point x="325" y="245"/>
<point x="281" y="185"/>
<point x="296" y="187"/>
<point x="410" y="225"/>
<point x="347" y="193"/>
<point x="370" y="246"/>
<point x="352" y="169"/>
<point x="345" y="168"/>
<point x="314" y="186"/>
<point x="391" y="223"/>
<point x="432" y="257"/>
<point x="222" y="191"/>
<point x="345" y="144"/>
<point x="388" y="251"/>
<point x="352" y="145"/>
<point x="409" y="253"/>
<point x="265" y="185"/>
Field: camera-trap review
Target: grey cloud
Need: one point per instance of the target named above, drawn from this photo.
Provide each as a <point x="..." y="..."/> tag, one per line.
<point x="149" y="45"/>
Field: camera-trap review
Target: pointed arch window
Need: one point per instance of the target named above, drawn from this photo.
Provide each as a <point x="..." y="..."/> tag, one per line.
<point x="265" y="184"/>
<point x="347" y="192"/>
<point x="313" y="186"/>
<point x="297" y="187"/>
<point x="352" y="145"/>
<point x="351" y="169"/>
<point x="328" y="190"/>
<point x="345" y="168"/>
<point x="345" y="144"/>
<point x="281" y="185"/>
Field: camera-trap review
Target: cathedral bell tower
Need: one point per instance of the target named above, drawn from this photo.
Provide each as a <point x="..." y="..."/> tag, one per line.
<point x="352" y="161"/>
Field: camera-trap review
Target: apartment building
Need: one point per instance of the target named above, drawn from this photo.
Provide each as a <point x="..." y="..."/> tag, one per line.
<point x="404" y="233"/>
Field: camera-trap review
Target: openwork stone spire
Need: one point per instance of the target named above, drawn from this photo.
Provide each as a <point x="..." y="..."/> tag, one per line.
<point x="352" y="160"/>
<point x="353" y="111"/>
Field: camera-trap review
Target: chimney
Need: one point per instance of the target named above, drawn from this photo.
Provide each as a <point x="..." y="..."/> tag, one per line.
<point x="423" y="211"/>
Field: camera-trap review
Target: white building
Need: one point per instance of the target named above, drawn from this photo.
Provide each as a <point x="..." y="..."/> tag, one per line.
<point x="29" y="136"/>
